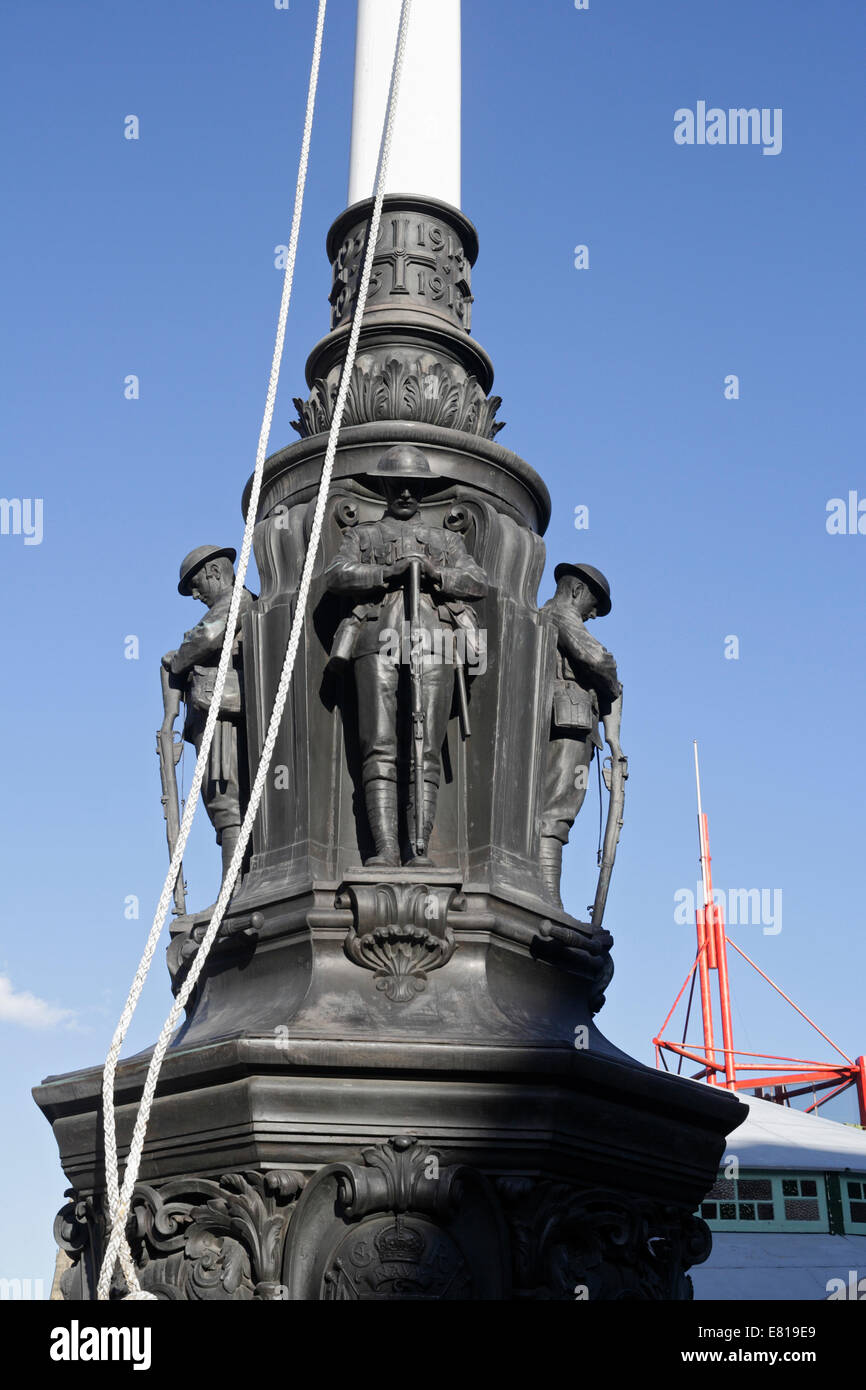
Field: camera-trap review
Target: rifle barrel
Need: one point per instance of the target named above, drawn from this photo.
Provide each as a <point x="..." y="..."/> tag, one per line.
<point x="169" y="756"/>
<point x="616" y="807"/>
<point x="417" y="700"/>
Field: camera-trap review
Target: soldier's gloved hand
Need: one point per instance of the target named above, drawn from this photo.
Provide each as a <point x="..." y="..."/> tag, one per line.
<point x="167" y="660"/>
<point x="428" y="569"/>
<point x="433" y="573"/>
<point x="401" y="567"/>
<point x="397" y="570"/>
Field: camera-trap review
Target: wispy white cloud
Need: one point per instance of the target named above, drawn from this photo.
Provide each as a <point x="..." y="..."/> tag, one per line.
<point x="28" y="1010"/>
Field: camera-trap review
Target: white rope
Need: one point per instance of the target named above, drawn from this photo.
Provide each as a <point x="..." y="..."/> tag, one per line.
<point x="118" y="1247"/>
<point x="111" y="1164"/>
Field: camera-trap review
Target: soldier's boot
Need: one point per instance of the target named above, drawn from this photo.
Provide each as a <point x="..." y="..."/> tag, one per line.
<point x="550" y="863"/>
<point x="420" y="859"/>
<point x="228" y="841"/>
<point x="381" y="797"/>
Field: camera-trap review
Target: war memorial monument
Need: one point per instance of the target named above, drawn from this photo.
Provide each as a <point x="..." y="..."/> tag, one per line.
<point x="391" y="1082"/>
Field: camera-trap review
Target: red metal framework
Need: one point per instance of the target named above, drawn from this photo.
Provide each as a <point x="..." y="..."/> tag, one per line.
<point x="724" y="1066"/>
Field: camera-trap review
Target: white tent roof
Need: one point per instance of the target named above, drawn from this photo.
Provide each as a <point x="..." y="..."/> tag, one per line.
<point x="778" y="1136"/>
<point x="782" y="1265"/>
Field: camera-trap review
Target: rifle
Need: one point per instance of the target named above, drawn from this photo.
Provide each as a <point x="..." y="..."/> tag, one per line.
<point x="415" y="679"/>
<point x="615" y="777"/>
<point x="169" y="751"/>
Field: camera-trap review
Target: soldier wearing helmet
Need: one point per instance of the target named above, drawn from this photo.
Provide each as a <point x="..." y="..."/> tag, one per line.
<point x="586" y="689"/>
<point x="207" y="574"/>
<point x="372" y="568"/>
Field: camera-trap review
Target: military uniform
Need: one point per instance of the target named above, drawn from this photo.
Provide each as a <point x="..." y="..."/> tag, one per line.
<point x="368" y="636"/>
<point x="196" y="660"/>
<point x="585" y="685"/>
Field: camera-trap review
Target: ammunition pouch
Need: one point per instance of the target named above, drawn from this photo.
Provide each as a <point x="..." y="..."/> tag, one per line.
<point x="574" y="708"/>
<point x="201" y="690"/>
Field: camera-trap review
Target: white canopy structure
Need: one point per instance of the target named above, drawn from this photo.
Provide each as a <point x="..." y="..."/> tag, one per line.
<point x="778" y="1136"/>
<point x="751" y="1262"/>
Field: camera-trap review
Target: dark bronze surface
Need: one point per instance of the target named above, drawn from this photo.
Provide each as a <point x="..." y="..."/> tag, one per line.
<point x="390" y="1083"/>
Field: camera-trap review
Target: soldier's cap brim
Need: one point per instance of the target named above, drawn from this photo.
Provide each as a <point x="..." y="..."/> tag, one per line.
<point x="604" y="603"/>
<point x="403" y="475"/>
<point x="184" y="586"/>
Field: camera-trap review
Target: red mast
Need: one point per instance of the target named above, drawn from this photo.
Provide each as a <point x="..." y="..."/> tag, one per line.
<point x="712" y="951"/>
<point x="780" y="1073"/>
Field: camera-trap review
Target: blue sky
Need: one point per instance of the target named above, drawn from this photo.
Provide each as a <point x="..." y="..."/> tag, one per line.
<point x="156" y="257"/>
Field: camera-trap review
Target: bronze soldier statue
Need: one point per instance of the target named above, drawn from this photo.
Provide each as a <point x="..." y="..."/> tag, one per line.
<point x="383" y="566"/>
<point x="586" y="689"/>
<point x="207" y="574"/>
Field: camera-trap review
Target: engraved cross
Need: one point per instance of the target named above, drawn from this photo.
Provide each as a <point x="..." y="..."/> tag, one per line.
<point x="399" y="255"/>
